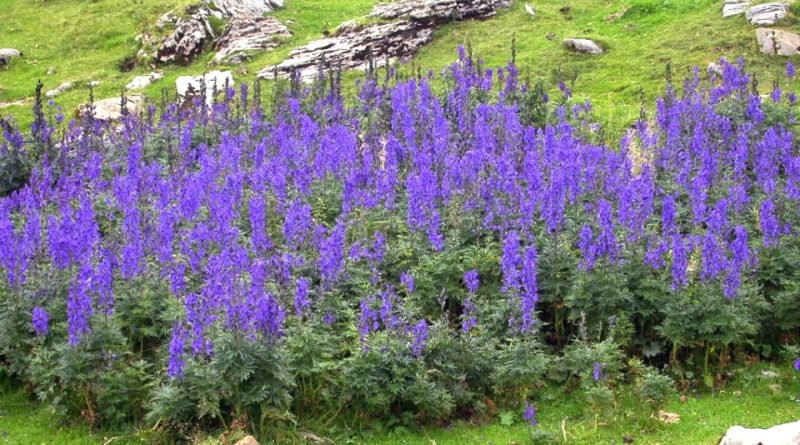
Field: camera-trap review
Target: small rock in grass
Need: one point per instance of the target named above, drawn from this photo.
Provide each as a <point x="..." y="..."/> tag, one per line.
<point x="215" y="81"/>
<point x="6" y="54"/>
<point x="734" y="7"/>
<point x="66" y="86"/>
<point x="769" y="374"/>
<point x="140" y="82"/>
<point x="583" y="46"/>
<point x="111" y="109"/>
<point x="786" y="434"/>
<point x="247" y="440"/>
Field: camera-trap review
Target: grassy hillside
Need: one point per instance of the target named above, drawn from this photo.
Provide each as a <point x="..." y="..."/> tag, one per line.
<point x="86" y="40"/>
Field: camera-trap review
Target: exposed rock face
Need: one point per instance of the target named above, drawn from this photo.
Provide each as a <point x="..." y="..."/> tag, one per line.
<point x="734" y="7"/>
<point x="140" y="82"/>
<point x="66" y="86"/>
<point x="583" y="46"/>
<point x="782" y="43"/>
<point x="246" y="8"/>
<point x="786" y="434"/>
<point x="411" y="25"/>
<point x="213" y="82"/>
<point x="111" y="109"/>
<point x="767" y="14"/>
<point x="6" y="54"/>
<point x="248" y="34"/>
<point x="190" y="36"/>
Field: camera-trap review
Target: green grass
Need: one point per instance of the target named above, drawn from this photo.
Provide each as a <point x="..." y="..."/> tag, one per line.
<point x="86" y="40"/>
<point x="751" y="400"/>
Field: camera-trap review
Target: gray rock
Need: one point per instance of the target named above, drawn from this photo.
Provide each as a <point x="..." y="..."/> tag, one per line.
<point x="786" y="434"/>
<point x="715" y="69"/>
<point x="187" y="40"/>
<point x="6" y="54"/>
<point x="244" y="35"/>
<point x="111" y="109"/>
<point x="734" y="7"/>
<point x="246" y="8"/>
<point x="767" y="13"/>
<point x="583" y="46"/>
<point x="403" y="27"/>
<point x="140" y="82"/>
<point x="529" y="9"/>
<point x="776" y="42"/>
<point x="214" y="81"/>
<point x="66" y="86"/>
<point x="247" y="440"/>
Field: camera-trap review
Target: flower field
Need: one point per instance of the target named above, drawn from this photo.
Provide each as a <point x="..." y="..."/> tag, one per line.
<point x="423" y="249"/>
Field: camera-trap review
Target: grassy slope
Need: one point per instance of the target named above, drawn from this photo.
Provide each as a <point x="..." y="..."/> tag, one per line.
<point x="85" y="41"/>
<point x="751" y="401"/>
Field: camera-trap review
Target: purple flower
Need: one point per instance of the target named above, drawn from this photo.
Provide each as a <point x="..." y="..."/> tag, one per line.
<point x="472" y="281"/>
<point x="770" y="227"/>
<point x="176" y="349"/>
<point x="529" y="415"/>
<point x="40" y="321"/>
<point x="420" y="334"/>
<point x="790" y="70"/>
<point x="408" y="281"/>
<point x="597" y="373"/>
<point x="468" y="318"/>
<point x="510" y="262"/>
<point x="301" y="300"/>
<point x="797" y="364"/>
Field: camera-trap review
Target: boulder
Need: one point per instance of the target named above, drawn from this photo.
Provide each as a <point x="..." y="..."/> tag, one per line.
<point x="246" y="8"/>
<point x="583" y="46"/>
<point x="247" y="440"/>
<point x="187" y="40"/>
<point x="402" y="28"/>
<point x="214" y="81"/>
<point x="767" y="13"/>
<point x="66" y="86"/>
<point x="786" y="434"/>
<point x="6" y="54"/>
<point x="734" y="7"/>
<point x="243" y="35"/>
<point x="140" y="82"/>
<point x="111" y="109"/>
<point x="776" y="42"/>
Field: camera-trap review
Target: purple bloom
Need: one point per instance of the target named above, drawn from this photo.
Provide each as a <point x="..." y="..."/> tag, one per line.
<point x="529" y="415"/>
<point x="510" y="262"/>
<point x="790" y="70"/>
<point x="597" y="373"/>
<point x="420" y="334"/>
<point x="40" y="321"/>
<point x="408" y="281"/>
<point x="301" y="300"/>
<point x="472" y="281"/>
<point x="468" y="318"/>
<point x="176" y="349"/>
<point x="770" y="227"/>
<point x="797" y="364"/>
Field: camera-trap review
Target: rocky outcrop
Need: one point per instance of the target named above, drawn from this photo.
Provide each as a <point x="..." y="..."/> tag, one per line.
<point x="188" y="39"/>
<point x="111" y="109"/>
<point x="245" y="8"/>
<point x="775" y="42"/>
<point x="583" y="46"/>
<point x="404" y="27"/>
<point x="786" y="434"/>
<point x="734" y="7"/>
<point x="767" y="14"/>
<point x="244" y="35"/>
<point x="208" y="84"/>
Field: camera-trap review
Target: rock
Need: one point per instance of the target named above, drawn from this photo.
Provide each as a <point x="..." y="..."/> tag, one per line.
<point x="786" y="434"/>
<point x="246" y="8"/>
<point x="140" y="82"/>
<point x="247" y="440"/>
<point x="776" y="42"/>
<point x="214" y="81"/>
<point x="715" y="69"/>
<point x="93" y="83"/>
<point x="767" y="13"/>
<point x="168" y="19"/>
<point x="402" y="28"/>
<point x="111" y="109"/>
<point x="734" y="7"/>
<point x="187" y="40"/>
<point x="769" y="374"/>
<point x="583" y="46"/>
<point x="66" y="86"/>
<point x="247" y="34"/>
<point x="6" y="54"/>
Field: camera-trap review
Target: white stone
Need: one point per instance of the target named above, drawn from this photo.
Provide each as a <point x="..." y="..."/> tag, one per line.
<point x="140" y="82"/>
<point x="776" y="42"/>
<point x="767" y="13"/>
<point x="583" y="46"/>
<point x="111" y="109"/>
<point x="732" y="8"/>
<point x="215" y="80"/>
<point x="66" y="86"/>
<point x="786" y="434"/>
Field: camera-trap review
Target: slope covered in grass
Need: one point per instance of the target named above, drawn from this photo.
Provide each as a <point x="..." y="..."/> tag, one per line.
<point x="83" y="41"/>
